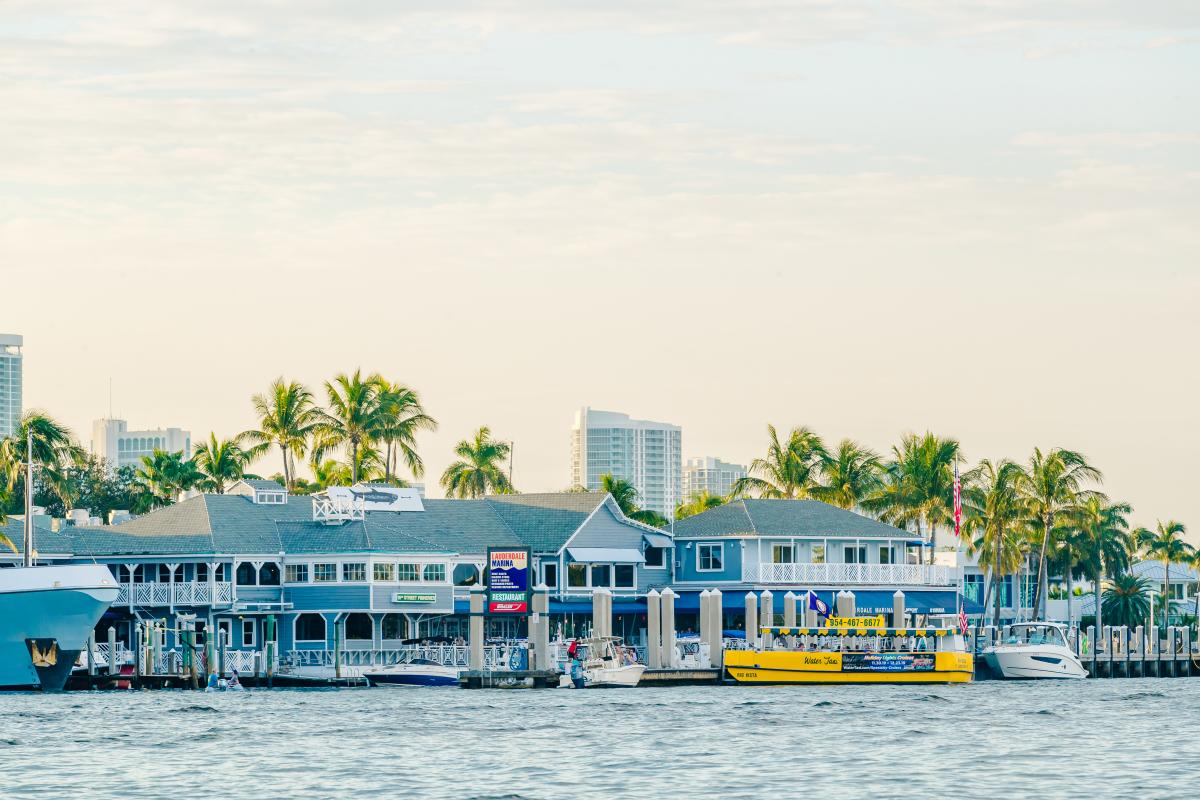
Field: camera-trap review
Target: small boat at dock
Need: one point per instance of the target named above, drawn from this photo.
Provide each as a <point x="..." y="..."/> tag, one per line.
<point x="1033" y="651"/>
<point x="608" y="663"/>
<point x="853" y="650"/>
<point x="418" y="672"/>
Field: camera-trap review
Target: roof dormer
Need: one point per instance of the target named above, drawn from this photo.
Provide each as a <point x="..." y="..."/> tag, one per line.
<point x="260" y="492"/>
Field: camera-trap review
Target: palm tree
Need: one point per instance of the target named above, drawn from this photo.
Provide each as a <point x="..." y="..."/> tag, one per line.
<point x="220" y="463"/>
<point x="1053" y="484"/>
<point x="1126" y="601"/>
<point x="403" y="418"/>
<point x="355" y="417"/>
<point x="330" y="472"/>
<point x="852" y="473"/>
<point x="995" y="514"/>
<point x="790" y="469"/>
<point x="1103" y="542"/>
<point x="287" y="418"/>
<point x="478" y="469"/>
<point x="1165" y="543"/>
<point x="700" y="502"/>
<point x="918" y="486"/>
<point x="166" y="475"/>
<point x="54" y="451"/>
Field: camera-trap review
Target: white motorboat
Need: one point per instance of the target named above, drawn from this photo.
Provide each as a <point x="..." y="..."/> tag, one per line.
<point x="1034" y="650"/>
<point x="607" y="663"/>
<point x="418" y="672"/>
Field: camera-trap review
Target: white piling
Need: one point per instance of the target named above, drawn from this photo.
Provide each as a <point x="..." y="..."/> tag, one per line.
<point x="789" y="610"/>
<point x="540" y="632"/>
<point x="475" y="629"/>
<point x="716" y="621"/>
<point x="810" y="613"/>
<point x="668" y="628"/>
<point x="112" y="650"/>
<point x="705" y="629"/>
<point x="751" y="619"/>
<point x="898" y="610"/>
<point x="653" y="630"/>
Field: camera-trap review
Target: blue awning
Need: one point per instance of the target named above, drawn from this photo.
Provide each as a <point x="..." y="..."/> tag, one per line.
<point x="568" y="607"/>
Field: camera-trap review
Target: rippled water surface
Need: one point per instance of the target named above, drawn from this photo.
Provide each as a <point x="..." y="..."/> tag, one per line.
<point x="1085" y="739"/>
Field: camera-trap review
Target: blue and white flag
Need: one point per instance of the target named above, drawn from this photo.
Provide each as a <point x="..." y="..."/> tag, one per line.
<point x="818" y="605"/>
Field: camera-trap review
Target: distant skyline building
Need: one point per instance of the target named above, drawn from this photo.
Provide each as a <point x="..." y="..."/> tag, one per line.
<point x="10" y="382"/>
<point x="114" y="442"/>
<point x="712" y="475"/>
<point x="647" y="454"/>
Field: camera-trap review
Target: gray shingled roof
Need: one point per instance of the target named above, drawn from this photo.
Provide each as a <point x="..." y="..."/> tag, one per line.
<point x="263" y="483"/>
<point x="45" y="540"/>
<point x="545" y="522"/>
<point x="785" y="518"/>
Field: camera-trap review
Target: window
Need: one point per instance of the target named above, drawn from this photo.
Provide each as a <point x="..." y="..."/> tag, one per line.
<point x="385" y="573"/>
<point x="202" y="572"/>
<point x="359" y="626"/>
<point x="354" y="571"/>
<point x="168" y="574"/>
<point x="268" y="574"/>
<point x="406" y="572"/>
<point x="247" y="575"/>
<point x="623" y="576"/>
<point x="886" y="554"/>
<point x="221" y="573"/>
<point x="1177" y="591"/>
<point x="855" y="554"/>
<point x="576" y="575"/>
<point x="247" y="633"/>
<point x="223" y="631"/>
<point x="550" y="575"/>
<point x="434" y="573"/>
<point x="601" y="575"/>
<point x="656" y="557"/>
<point x="465" y="575"/>
<point x="324" y="573"/>
<point x="818" y="554"/>
<point x="311" y="627"/>
<point x="709" y="557"/>
<point x="392" y="626"/>
<point x="973" y="587"/>
<point x="296" y="573"/>
<point x="783" y="554"/>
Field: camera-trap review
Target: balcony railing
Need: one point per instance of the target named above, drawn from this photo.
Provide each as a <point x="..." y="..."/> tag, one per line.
<point x="187" y="593"/>
<point x="863" y="574"/>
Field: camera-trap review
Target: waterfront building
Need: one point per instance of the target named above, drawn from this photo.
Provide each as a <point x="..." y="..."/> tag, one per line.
<point x="115" y="443"/>
<point x="712" y="475"/>
<point x="10" y="382"/>
<point x="647" y="454"/>
<point x="796" y="546"/>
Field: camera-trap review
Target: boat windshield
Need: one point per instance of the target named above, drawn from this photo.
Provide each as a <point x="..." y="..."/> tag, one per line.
<point x="1036" y="634"/>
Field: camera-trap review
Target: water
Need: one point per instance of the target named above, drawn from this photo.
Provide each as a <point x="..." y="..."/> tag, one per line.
<point x="1102" y="738"/>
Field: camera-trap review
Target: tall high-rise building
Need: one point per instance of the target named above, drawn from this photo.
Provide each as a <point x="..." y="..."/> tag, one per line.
<point x="120" y="447"/>
<point x="10" y="383"/>
<point x="712" y="475"/>
<point x="647" y="454"/>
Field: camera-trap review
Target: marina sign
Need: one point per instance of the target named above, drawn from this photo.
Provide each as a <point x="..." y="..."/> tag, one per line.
<point x="402" y="597"/>
<point x="508" y="582"/>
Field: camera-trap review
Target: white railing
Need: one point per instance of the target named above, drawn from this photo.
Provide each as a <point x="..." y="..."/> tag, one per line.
<point x="189" y="593"/>
<point x="446" y="655"/>
<point x="832" y="574"/>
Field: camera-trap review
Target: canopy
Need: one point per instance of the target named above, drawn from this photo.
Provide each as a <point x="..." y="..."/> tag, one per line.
<point x="658" y="539"/>
<point x="565" y="607"/>
<point x="611" y="555"/>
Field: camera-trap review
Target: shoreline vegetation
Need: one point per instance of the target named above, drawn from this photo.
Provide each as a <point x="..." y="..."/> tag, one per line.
<point x="1047" y="514"/>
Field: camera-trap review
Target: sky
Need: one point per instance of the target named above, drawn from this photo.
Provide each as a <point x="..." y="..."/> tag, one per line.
<point x="869" y="217"/>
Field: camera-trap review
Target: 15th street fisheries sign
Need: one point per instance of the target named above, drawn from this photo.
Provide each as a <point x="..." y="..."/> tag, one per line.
<point x="508" y="580"/>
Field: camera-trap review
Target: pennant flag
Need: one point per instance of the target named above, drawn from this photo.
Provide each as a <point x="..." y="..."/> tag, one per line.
<point x="957" y="502"/>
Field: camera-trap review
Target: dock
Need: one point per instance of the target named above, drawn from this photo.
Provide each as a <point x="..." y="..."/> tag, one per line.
<point x="680" y="677"/>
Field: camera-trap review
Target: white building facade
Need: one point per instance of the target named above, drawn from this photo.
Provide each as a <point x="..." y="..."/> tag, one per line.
<point x="10" y="383"/>
<point x="114" y="442"/>
<point x="647" y="454"/>
<point x="712" y="475"/>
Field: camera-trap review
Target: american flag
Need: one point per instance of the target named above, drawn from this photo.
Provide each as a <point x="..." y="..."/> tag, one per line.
<point x="962" y="619"/>
<point x="957" y="502"/>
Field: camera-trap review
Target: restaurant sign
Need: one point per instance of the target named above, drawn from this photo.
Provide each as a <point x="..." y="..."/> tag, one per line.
<point x="508" y="580"/>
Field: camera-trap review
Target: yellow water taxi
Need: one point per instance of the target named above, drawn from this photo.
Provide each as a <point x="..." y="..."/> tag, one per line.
<point x="853" y="650"/>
